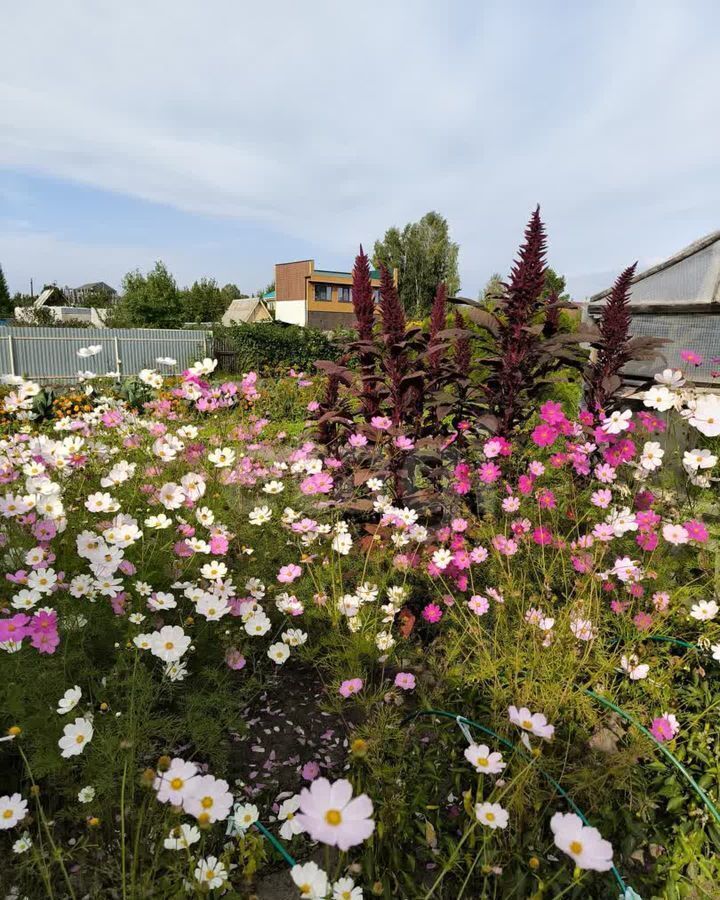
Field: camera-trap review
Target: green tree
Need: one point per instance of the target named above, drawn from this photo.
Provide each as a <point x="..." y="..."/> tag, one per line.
<point x="424" y="255"/>
<point x="5" y="303"/>
<point x="205" y="301"/>
<point x="152" y="300"/>
<point x="494" y="289"/>
<point x="232" y="292"/>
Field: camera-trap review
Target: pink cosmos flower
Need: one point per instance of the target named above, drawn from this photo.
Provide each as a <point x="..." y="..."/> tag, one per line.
<point x="661" y="729"/>
<point x="545" y="498"/>
<point x="479" y="604"/>
<point x="310" y="771"/>
<point x="459" y="525"/>
<point x="696" y="531"/>
<point x="643" y="621"/>
<point x="405" y="681"/>
<point x="647" y="540"/>
<point x="382" y="423"/>
<point x="404" y="443"/>
<point x="313" y="406"/>
<point x="357" y="440"/>
<point x="542" y="536"/>
<point x="350" y="686"/>
<point x="218" y="545"/>
<point x="478" y="554"/>
<point x="689" y="356"/>
<point x="661" y="600"/>
<point x="320" y="483"/>
<point x="675" y="534"/>
<point x="287" y="574"/>
<point x="525" y="484"/>
<point x="15" y="628"/>
<point x="552" y="413"/>
<point x="601" y="498"/>
<point x="45" y="641"/>
<point x="234" y="659"/>
<point x="432" y="613"/>
<point x="544" y="435"/>
<point x="489" y="472"/>
<point x="605" y="473"/>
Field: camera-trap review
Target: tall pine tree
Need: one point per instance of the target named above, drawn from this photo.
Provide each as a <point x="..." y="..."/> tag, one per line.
<point x="5" y="304"/>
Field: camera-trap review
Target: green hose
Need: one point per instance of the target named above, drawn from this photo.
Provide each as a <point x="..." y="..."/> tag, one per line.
<point x="276" y="844"/>
<point x="563" y="793"/>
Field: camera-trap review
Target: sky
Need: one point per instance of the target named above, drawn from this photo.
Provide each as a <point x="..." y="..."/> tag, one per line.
<point x="224" y="136"/>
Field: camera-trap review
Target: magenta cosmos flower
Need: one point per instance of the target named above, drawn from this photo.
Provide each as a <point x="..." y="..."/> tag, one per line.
<point x="329" y="814"/>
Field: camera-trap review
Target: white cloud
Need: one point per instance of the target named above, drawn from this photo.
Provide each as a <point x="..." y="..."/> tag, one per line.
<point x="329" y="121"/>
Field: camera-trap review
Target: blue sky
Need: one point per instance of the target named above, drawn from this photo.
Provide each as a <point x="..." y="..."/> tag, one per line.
<point x="226" y="136"/>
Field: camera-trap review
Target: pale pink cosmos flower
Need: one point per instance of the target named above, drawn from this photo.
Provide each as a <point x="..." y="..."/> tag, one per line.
<point x="405" y="681"/>
<point x="675" y="534"/>
<point x="479" y="604"/>
<point x="381" y="422"/>
<point x="329" y="814"/>
<point x="350" y="686"/>
<point x="289" y="573"/>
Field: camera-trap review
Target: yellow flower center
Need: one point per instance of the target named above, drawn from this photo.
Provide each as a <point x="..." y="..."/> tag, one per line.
<point x="576" y="847"/>
<point x="490" y="816"/>
<point x="7" y="814"/>
<point x="482" y="761"/>
<point x="176" y="784"/>
<point x="210" y="874"/>
<point x="169" y="645"/>
<point x="333" y="817"/>
<point x="206" y="802"/>
<point x="305" y="888"/>
<point x="79" y="738"/>
<point x="203" y="819"/>
<point x="527" y="724"/>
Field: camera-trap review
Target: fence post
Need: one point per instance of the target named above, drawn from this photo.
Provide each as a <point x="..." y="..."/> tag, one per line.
<point x="118" y="361"/>
<point x="11" y="354"/>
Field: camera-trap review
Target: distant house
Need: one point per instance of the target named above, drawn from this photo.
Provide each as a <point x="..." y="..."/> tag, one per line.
<point x="679" y="300"/>
<point x="91" y="291"/>
<point x="247" y="309"/>
<point x="319" y="298"/>
<point x="53" y="299"/>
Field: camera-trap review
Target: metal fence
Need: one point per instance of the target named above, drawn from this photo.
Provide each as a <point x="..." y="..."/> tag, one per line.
<point x="50" y="354"/>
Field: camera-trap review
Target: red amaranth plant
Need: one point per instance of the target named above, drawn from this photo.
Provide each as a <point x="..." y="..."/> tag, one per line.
<point x="615" y="347"/>
<point x="364" y="307"/>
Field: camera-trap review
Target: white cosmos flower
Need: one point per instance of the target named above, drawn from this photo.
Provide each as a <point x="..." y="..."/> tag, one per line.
<point x="311" y="880"/>
<point x="484" y="762"/>
<point x="583" y="844"/>
<point x="158" y="522"/>
<point x="278" y="653"/>
<point x="204" y="367"/>
<point x="659" y="398"/>
<point x="182" y="837"/>
<point x="75" y="737"/>
<point x="699" y="459"/>
<point x="23" y="843"/>
<point x="492" y="815"/>
<point x="652" y="455"/>
<point x="166" y="361"/>
<point x="273" y="487"/>
<point x="169" y="643"/>
<point x="705" y="610"/>
<point x="86" y="794"/>
<point x="69" y="700"/>
<point x="705" y="415"/>
<point x="672" y="378"/>
<point x="260" y="515"/>
<point x="211" y="873"/>
<point x="635" y="670"/>
<point x="535" y="723"/>
<point x="286" y="814"/>
<point x="222" y="457"/>
<point x="243" y="816"/>
<point x="13" y="809"/>
<point x="617" y="422"/>
<point x="442" y="558"/>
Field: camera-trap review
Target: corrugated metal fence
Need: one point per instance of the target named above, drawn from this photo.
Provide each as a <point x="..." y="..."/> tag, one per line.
<point x="50" y="354"/>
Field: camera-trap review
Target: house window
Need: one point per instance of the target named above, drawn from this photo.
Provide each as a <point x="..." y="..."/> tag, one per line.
<point x="345" y="294"/>
<point x="323" y="292"/>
